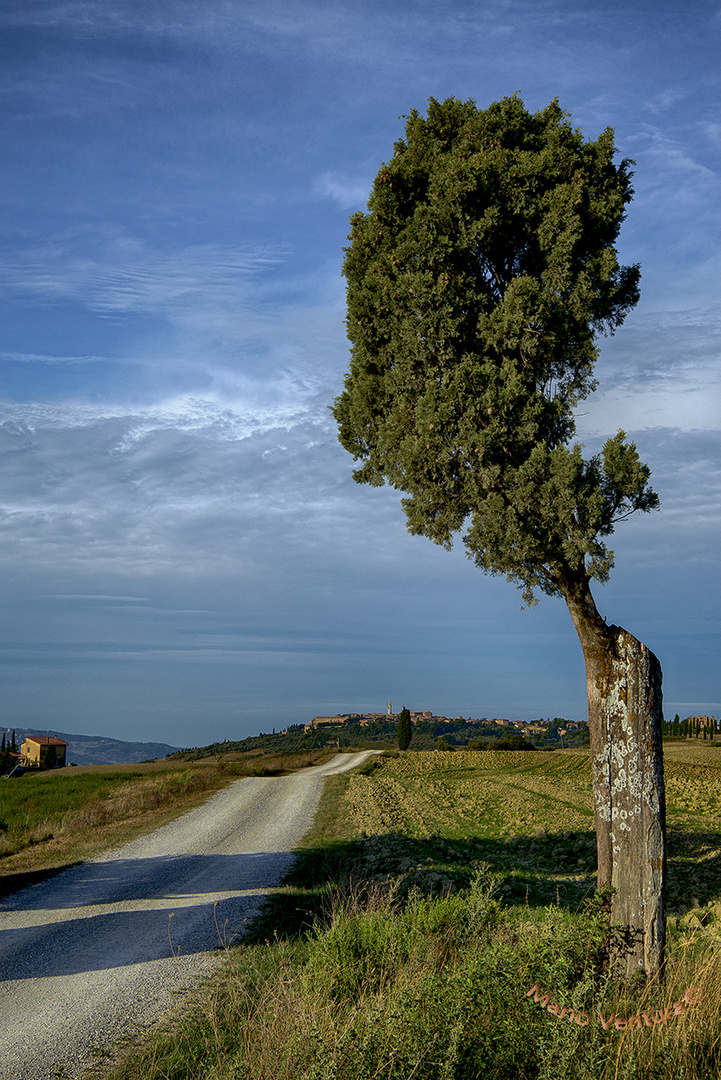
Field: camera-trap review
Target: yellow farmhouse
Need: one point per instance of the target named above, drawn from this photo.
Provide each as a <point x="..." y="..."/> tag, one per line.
<point x="43" y="751"/>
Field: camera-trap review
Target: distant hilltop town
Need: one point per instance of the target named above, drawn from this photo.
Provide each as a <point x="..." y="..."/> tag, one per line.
<point x="536" y="727"/>
<point x="379" y="730"/>
<point x="459" y="728"/>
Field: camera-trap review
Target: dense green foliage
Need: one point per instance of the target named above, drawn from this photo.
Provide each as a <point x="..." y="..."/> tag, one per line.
<point x="383" y="732"/>
<point x="404" y="730"/>
<point x="436" y="989"/>
<point x="478" y="280"/>
<point x="514" y="741"/>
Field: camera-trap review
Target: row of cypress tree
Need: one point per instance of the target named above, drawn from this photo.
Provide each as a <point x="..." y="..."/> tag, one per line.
<point x="8" y="747"/>
<point x="693" y="727"/>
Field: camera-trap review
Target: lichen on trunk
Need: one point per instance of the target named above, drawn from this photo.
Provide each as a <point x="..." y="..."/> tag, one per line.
<point x="625" y="714"/>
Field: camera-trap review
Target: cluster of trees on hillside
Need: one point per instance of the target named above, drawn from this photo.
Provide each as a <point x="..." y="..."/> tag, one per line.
<point x="458" y="733"/>
<point x="383" y="732"/>
<point x="693" y="727"/>
<point x="293" y="739"/>
<point x="515" y="740"/>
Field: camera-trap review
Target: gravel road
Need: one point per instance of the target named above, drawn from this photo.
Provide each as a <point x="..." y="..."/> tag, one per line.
<point x="102" y="950"/>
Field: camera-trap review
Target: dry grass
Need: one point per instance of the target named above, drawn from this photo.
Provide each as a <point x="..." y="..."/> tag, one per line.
<point x="682" y="1039"/>
<point x="52" y="819"/>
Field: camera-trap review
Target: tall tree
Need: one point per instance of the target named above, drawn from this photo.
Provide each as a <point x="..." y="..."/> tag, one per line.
<point x="477" y="284"/>
<point x="404" y="732"/>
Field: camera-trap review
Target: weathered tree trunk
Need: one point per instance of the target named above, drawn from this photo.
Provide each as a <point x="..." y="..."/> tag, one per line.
<point x="623" y="681"/>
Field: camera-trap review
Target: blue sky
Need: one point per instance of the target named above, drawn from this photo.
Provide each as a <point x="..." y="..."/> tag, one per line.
<point x="185" y="555"/>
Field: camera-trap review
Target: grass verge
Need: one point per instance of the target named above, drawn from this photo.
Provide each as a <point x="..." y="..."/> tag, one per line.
<point x="462" y="952"/>
<point x="49" y="820"/>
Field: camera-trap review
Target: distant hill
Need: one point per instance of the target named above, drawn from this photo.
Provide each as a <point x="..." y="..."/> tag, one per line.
<point x="361" y="734"/>
<point x="98" y="750"/>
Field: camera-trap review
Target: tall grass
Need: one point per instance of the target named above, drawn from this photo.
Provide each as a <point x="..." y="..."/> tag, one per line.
<point x="435" y="988"/>
<point x="42" y="805"/>
<point x="72" y="811"/>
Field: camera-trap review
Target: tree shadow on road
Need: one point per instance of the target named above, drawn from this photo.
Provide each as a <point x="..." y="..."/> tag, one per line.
<point x="100" y="915"/>
<point x="10" y="883"/>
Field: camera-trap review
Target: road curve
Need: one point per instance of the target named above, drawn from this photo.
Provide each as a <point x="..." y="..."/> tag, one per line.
<point x="101" y="950"/>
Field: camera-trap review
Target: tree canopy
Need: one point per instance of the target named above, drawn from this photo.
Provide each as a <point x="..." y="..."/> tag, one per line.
<point x="478" y="281"/>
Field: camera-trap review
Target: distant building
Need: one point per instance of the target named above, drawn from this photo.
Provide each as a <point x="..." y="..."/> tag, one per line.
<point x="417" y="716"/>
<point x="43" y="752"/>
<point x="321" y="721"/>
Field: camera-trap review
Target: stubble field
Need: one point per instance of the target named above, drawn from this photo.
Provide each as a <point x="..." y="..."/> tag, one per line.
<point x="530" y="815"/>
<point x="440" y="921"/>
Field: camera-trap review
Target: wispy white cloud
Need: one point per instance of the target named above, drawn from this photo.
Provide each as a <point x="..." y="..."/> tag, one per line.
<point x="245" y="336"/>
<point x="671" y="226"/>
<point x="88" y="17"/>
<point x="660" y="370"/>
<point x="666" y="99"/>
<point x="251" y="406"/>
<point x="46" y="358"/>
<point x="99" y="597"/>
<point x="671" y="155"/>
<point x="349" y="193"/>
<point x="122" y="274"/>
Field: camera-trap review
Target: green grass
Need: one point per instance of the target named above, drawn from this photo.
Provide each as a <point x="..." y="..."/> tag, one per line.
<point x="51" y="819"/>
<point x="407" y="937"/>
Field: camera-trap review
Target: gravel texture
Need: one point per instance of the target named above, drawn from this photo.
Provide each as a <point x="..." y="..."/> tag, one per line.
<point x="103" y="950"/>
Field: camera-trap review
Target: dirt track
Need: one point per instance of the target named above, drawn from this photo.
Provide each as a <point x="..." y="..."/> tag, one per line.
<point x="101" y="950"/>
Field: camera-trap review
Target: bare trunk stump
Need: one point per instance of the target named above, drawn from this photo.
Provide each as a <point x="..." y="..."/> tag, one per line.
<point x="629" y="798"/>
